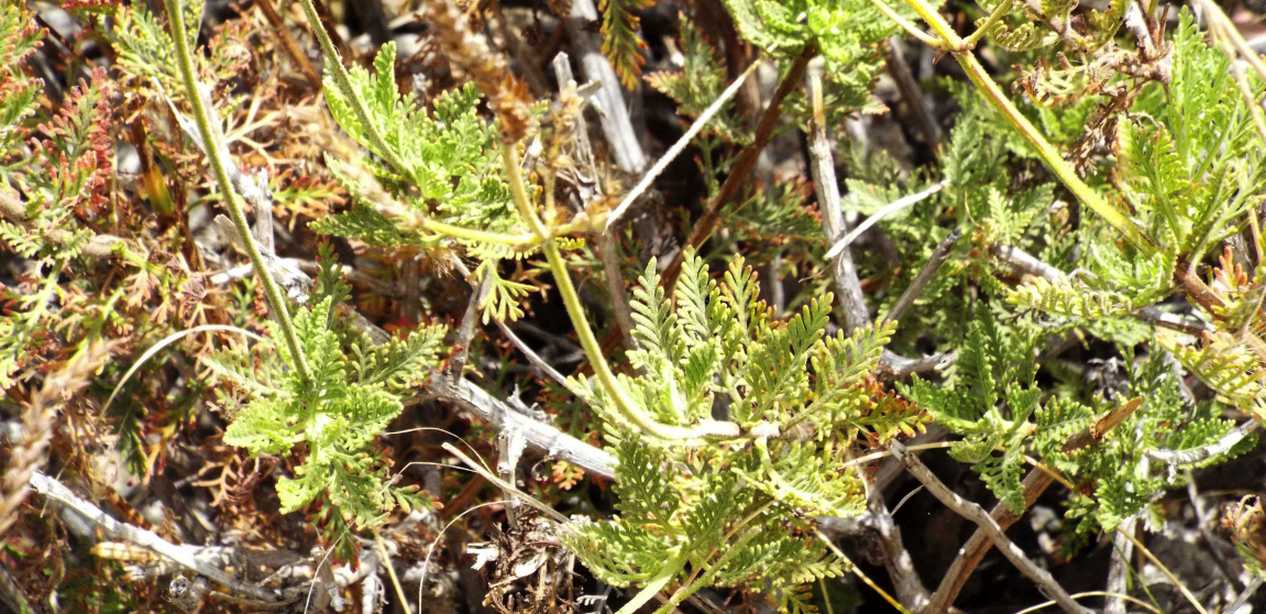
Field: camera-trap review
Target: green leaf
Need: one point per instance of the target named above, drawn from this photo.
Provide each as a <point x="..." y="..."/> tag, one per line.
<point x="621" y="41"/>
<point x="699" y="82"/>
<point x="847" y="33"/>
<point x="264" y="426"/>
<point x="450" y="155"/>
<point x="338" y="412"/>
<point x="399" y="365"/>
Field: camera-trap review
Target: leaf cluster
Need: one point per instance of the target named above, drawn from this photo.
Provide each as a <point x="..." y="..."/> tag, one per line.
<point x="720" y="515"/>
<point x="848" y="34"/>
<point x="440" y="166"/>
<point x="1120" y="479"/>
<point x="354" y="392"/>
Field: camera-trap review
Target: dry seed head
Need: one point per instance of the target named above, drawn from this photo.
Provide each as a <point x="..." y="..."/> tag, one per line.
<point x="38" y="419"/>
<point x="507" y="96"/>
<point x="563" y="118"/>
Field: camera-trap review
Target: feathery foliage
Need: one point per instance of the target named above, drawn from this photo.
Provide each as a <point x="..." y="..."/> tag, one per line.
<point x="718" y="516"/>
<point x="991" y="403"/>
<point x="1118" y="478"/>
<point x="621" y="39"/>
<point x="451" y="169"/>
<point x="18" y="98"/>
<point x="1097" y="318"/>
<point x="451" y="176"/>
<point x="1189" y="185"/>
<point x="700" y="81"/>
<point x="63" y="178"/>
<point x="355" y="392"/>
<point x="848" y="34"/>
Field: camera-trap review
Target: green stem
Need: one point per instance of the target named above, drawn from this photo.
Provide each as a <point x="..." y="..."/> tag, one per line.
<point x="906" y="25"/>
<point x="692" y="587"/>
<point x="1047" y="152"/>
<point x="272" y="291"/>
<point x="623" y="401"/>
<point x="480" y="236"/>
<point x="652" y="588"/>
<point x="344" y="84"/>
<point x="578" y="225"/>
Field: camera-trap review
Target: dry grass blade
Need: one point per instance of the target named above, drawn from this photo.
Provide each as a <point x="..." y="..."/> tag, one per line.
<point x="662" y="163"/>
<point x="164" y="343"/>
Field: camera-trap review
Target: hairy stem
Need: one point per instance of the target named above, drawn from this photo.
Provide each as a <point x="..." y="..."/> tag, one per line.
<point x="623" y="401"/>
<point x="344" y="83"/>
<point x="272" y="291"/>
<point x="1047" y="152"/>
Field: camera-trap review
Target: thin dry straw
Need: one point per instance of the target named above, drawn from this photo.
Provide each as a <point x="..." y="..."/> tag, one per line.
<point x="883" y="212"/>
<point x="166" y="341"/>
<point x="676" y="149"/>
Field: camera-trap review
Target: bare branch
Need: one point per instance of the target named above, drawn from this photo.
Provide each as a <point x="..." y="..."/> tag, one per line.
<point x="893" y="366"/>
<point x="973" y="512"/>
<point x="466" y="331"/>
<point x="1122" y="551"/>
<point x="500" y="415"/>
<point x="185" y="556"/>
<point x="1245" y="595"/>
<point x="1188" y="325"/>
<point x="1194" y="455"/>
<point x="608" y="249"/>
<point x="925" y="275"/>
<point x="288" y="43"/>
<point x="826" y="186"/>
<point x="547" y="438"/>
<point x="891" y="208"/>
<point x="616" y="125"/>
<point x="897" y="560"/>
<point x="532" y="356"/>
<point x="1204" y="521"/>
<point x="1119" y="567"/>
<point x="662" y="163"/>
<point x="843" y="271"/>
<point x="11" y="594"/>
<point x="912" y="94"/>
<point x="1026" y="263"/>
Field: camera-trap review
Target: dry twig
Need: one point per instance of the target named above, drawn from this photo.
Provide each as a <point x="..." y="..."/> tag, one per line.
<point x="188" y="557"/>
<point x="986" y="523"/>
<point x="1035" y="483"/>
